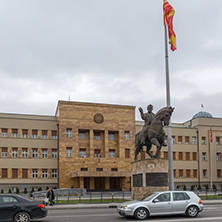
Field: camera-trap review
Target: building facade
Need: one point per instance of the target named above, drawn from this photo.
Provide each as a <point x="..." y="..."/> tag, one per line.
<point x="90" y="145"/>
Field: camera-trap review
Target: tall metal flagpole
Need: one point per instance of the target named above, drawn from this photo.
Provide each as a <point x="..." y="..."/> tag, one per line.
<point x="169" y="129"/>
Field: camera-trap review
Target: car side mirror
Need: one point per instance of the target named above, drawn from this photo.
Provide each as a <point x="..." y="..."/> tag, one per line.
<point x="156" y="200"/>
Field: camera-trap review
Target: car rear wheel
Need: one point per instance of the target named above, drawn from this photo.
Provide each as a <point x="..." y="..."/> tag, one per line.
<point x="141" y="213"/>
<point x="22" y="217"/>
<point x="192" y="211"/>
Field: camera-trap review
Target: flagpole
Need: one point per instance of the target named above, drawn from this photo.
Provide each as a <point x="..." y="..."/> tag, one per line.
<point x="169" y="129"/>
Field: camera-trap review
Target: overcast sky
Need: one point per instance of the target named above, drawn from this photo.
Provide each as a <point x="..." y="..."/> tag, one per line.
<point x="109" y="51"/>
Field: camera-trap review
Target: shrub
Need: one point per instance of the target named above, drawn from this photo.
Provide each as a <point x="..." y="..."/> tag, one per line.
<point x="192" y="188"/>
<point x="214" y="187"/>
<point x="33" y="190"/>
<point x="199" y="187"/>
<point x="47" y="188"/>
<point x="40" y="189"/>
<point x="184" y="187"/>
<point x="17" y="190"/>
<point x="9" y="191"/>
<point x="207" y="187"/>
<point x="25" y="190"/>
<point x="2" y="191"/>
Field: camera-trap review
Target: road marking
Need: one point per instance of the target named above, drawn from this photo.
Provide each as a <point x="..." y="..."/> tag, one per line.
<point x="94" y="215"/>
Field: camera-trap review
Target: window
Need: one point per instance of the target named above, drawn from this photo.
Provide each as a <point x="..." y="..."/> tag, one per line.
<point x="44" y="153"/>
<point x="34" y="134"/>
<point x="217" y="140"/>
<point x="14" y="152"/>
<point x="195" y="173"/>
<point x="4" y="132"/>
<point x="24" y="152"/>
<point x="173" y="139"/>
<point x="163" y="197"/>
<point x="180" y="173"/>
<point x="218" y="156"/>
<point x="203" y="140"/>
<point x="188" y="173"/>
<point x="34" y="173"/>
<point x="44" y="134"/>
<point x="15" y="133"/>
<point x="180" y="156"/>
<point x="114" y="169"/>
<point x="174" y="173"/>
<point x="112" y="153"/>
<point x="142" y="155"/>
<point x="187" y="156"/>
<point x="8" y="200"/>
<point x="204" y="173"/>
<point x="165" y="154"/>
<point x="126" y="135"/>
<point x="204" y="156"/>
<point x="97" y="153"/>
<point x="127" y="153"/>
<point x="54" y="134"/>
<point x="177" y="196"/>
<point x="111" y="136"/>
<point x="54" y="173"/>
<point x="194" y="156"/>
<point x="174" y="155"/>
<point x="180" y="139"/>
<point x="24" y="173"/>
<point x="187" y="139"/>
<point x="219" y="174"/>
<point x="84" y="169"/>
<point x="54" y="153"/>
<point x="4" y="173"/>
<point x="194" y="140"/>
<point x="97" y="136"/>
<point x="4" y="152"/>
<point x="34" y="153"/>
<point x="24" y="133"/>
<point x="14" y="173"/>
<point x="68" y="132"/>
<point x="82" y="152"/>
<point x="44" y="173"/>
<point x="69" y="152"/>
<point x="99" y="169"/>
<point x="82" y="135"/>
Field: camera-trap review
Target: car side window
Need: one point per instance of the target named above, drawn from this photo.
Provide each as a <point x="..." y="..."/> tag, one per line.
<point x="180" y="196"/>
<point x="163" y="197"/>
<point x="186" y="196"/>
<point x="9" y="200"/>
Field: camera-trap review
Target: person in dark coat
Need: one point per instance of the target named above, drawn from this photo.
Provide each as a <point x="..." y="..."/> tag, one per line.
<point x="50" y="195"/>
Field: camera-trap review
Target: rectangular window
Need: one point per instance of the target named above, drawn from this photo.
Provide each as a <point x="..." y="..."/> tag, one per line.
<point x="34" y="134"/>
<point x="14" y="152"/>
<point x="111" y="136"/>
<point x="44" y="153"/>
<point x="126" y="135"/>
<point x="4" y="152"/>
<point x="180" y="173"/>
<point x="15" y="133"/>
<point x="54" y="173"/>
<point x="14" y="173"/>
<point x="194" y="156"/>
<point x="35" y="173"/>
<point x="180" y="155"/>
<point x="194" y="140"/>
<point x="99" y="169"/>
<point x="54" y="134"/>
<point x="217" y="140"/>
<point x="4" y="173"/>
<point x="34" y="153"/>
<point x="24" y="152"/>
<point x="204" y="173"/>
<point x="84" y="169"/>
<point x="97" y="153"/>
<point x="203" y="140"/>
<point x="174" y="173"/>
<point x="173" y="139"/>
<point x="114" y="169"/>
<point x="188" y="173"/>
<point x="111" y="153"/>
<point x="69" y="152"/>
<point x="127" y="153"/>
<point x="97" y="136"/>
<point x="69" y="132"/>
<point x="204" y="156"/>
<point x="218" y="156"/>
<point x="4" y="132"/>
<point x="82" y="152"/>
<point x="187" y="139"/>
<point x="195" y="173"/>
<point x="54" y="153"/>
<point x="24" y="173"/>
<point x="165" y="154"/>
<point x="180" y="139"/>
<point x="82" y="135"/>
<point x="174" y="155"/>
<point x="44" y="173"/>
<point x="44" y="134"/>
<point x="24" y="133"/>
<point x="143" y="155"/>
<point x="187" y="156"/>
<point x="219" y="173"/>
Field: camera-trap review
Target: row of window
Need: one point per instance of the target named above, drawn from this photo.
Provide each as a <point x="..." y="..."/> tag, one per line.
<point x="35" y="134"/>
<point x="24" y="153"/>
<point x="35" y="173"/>
<point x="193" y="173"/>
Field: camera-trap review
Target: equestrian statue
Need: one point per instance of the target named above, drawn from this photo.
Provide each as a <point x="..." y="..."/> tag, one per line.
<point x="153" y="132"/>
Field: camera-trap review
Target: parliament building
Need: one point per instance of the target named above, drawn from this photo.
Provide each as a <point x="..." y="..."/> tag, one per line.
<point x="91" y="145"/>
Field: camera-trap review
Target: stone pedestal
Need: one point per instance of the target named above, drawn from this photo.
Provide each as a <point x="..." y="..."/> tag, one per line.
<point x="148" y="176"/>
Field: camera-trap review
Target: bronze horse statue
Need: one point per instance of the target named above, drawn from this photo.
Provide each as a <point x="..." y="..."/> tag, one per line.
<point x="154" y="133"/>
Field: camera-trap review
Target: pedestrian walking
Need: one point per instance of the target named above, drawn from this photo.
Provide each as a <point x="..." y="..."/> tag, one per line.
<point x="50" y="196"/>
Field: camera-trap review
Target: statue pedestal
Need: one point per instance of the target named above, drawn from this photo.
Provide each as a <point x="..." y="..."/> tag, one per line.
<point x="148" y="176"/>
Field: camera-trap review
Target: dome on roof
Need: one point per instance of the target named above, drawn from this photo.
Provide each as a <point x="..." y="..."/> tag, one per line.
<point x="202" y="114"/>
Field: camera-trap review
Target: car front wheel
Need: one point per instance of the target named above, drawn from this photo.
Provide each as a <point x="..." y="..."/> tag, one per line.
<point x="22" y="217"/>
<point x="141" y="213"/>
<point x="192" y="211"/>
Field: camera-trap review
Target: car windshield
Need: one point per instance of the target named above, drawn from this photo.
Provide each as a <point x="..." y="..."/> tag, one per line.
<point x="150" y="197"/>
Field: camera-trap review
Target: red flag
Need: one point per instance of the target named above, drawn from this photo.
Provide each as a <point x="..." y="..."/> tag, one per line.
<point x="211" y="135"/>
<point x="168" y="18"/>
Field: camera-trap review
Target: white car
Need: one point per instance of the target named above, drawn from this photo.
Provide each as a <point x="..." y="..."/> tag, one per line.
<point x="163" y="203"/>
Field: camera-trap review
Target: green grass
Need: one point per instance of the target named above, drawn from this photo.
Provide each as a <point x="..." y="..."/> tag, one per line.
<point x="210" y="197"/>
<point x="88" y="201"/>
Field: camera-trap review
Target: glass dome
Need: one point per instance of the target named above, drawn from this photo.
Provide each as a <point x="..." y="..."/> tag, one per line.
<point x="202" y="114"/>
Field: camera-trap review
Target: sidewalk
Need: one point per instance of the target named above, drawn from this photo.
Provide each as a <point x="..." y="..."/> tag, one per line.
<point x="109" y="205"/>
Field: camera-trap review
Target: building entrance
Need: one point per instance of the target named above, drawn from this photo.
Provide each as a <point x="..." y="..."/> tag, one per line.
<point x="115" y="183"/>
<point x="99" y="183"/>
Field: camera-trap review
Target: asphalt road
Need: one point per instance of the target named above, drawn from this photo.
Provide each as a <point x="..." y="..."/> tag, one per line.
<point x="211" y="213"/>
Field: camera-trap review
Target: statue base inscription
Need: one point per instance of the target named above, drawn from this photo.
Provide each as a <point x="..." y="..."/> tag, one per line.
<point x="148" y="176"/>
